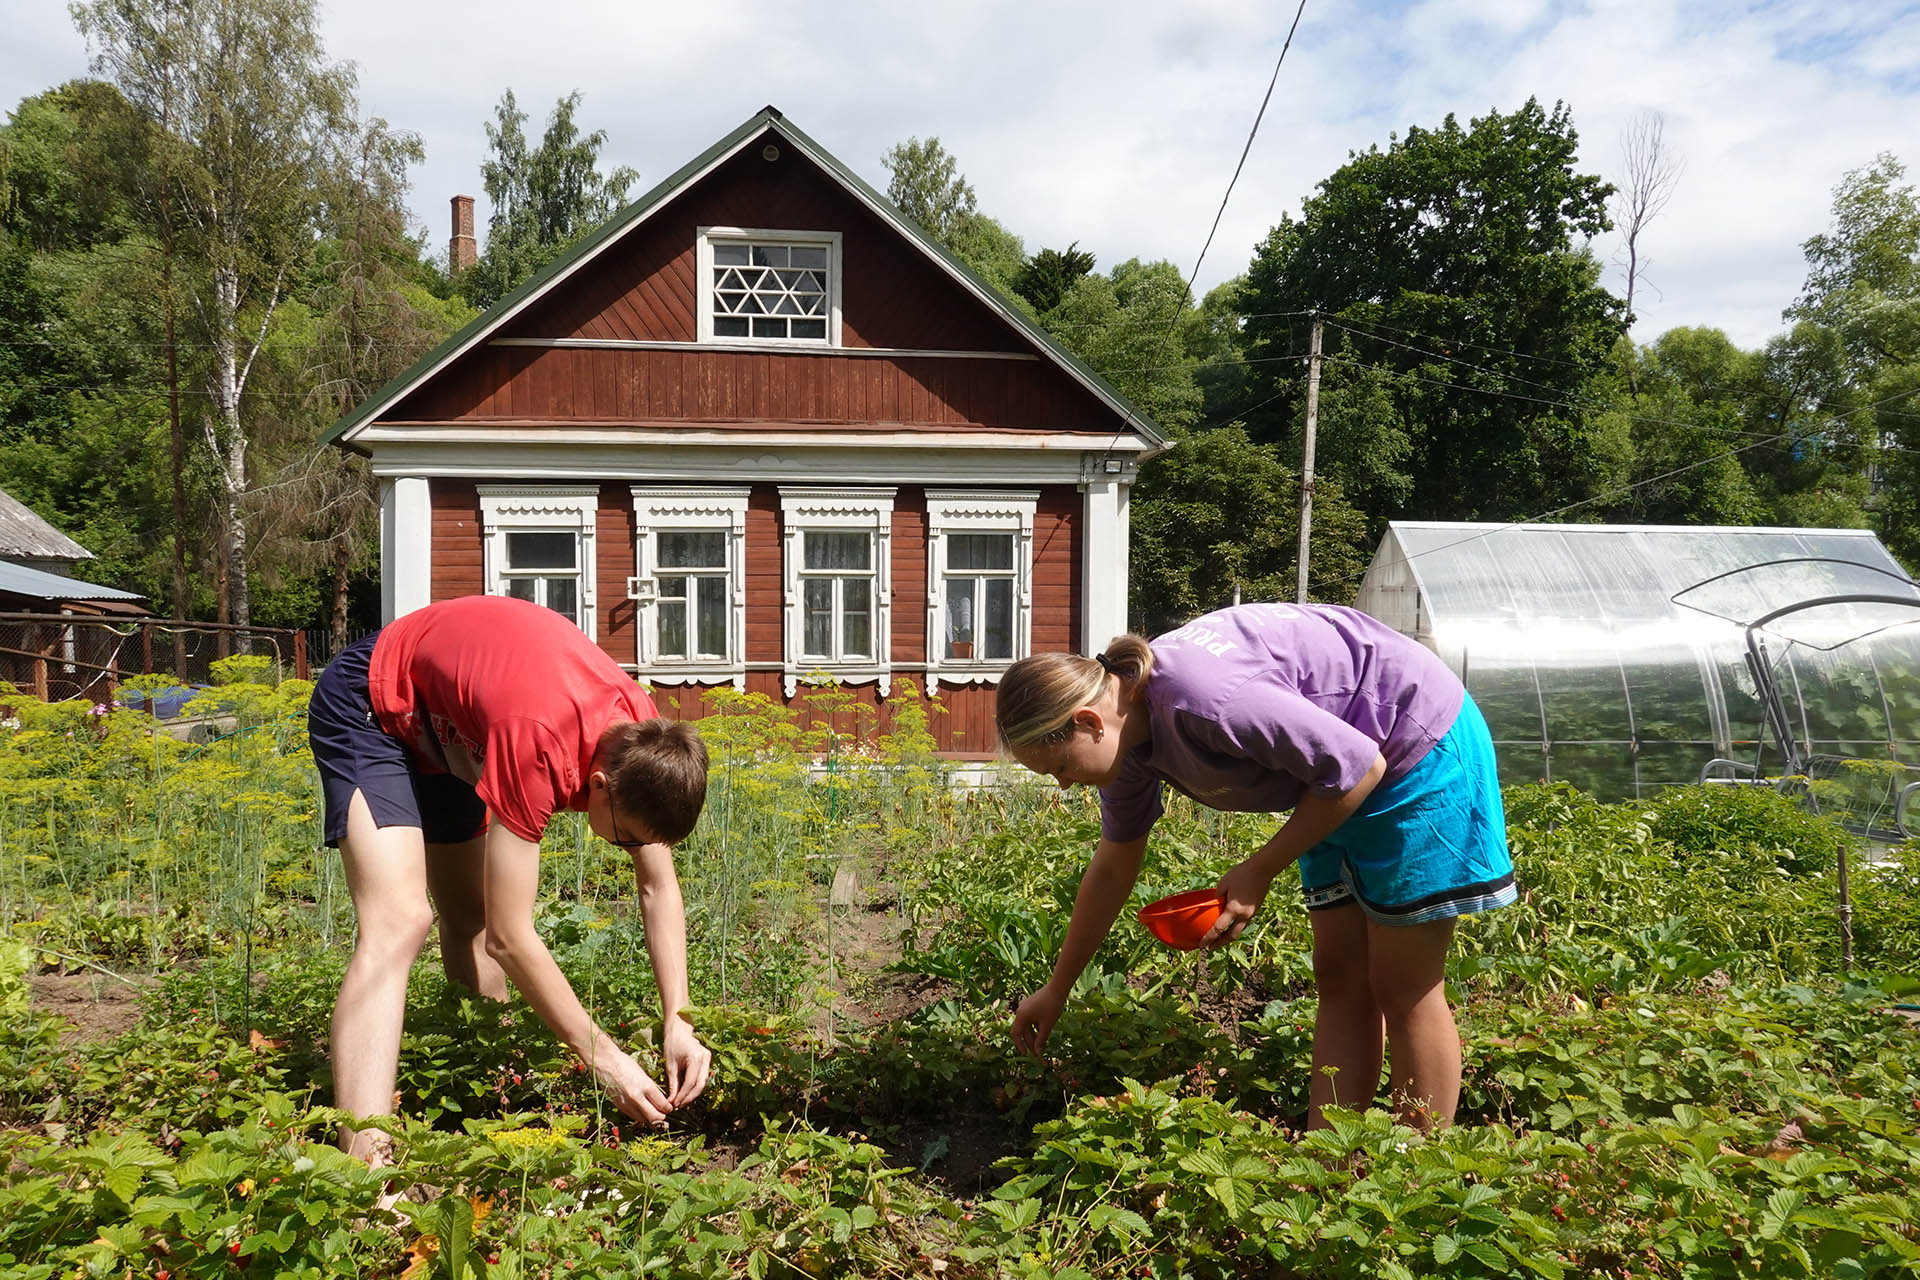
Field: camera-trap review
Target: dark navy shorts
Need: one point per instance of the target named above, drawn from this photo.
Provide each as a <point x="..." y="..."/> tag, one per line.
<point x="354" y="753"/>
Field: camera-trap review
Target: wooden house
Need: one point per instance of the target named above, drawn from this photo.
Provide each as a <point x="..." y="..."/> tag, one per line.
<point x="760" y="426"/>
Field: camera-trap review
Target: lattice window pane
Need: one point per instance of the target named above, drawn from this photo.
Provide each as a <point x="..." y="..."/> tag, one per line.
<point x="768" y="290"/>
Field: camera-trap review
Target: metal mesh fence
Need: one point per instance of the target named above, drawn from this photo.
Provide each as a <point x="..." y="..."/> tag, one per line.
<point x="56" y="657"/>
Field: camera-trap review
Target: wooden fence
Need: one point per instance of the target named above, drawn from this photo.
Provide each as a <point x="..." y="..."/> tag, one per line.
<point x="58" y="656"/>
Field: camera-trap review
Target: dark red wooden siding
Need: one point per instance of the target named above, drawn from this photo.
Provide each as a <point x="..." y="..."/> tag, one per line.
<point x="642" y="288"/>
<point x="908" y="629"/>
<point x="613" y="564"/>
<point x="551" y="385"/>
<point x="891" y="295"/>
<point x="458" y="565"/>
<point x="965" y="728"/>
<point x="766" y="587"/>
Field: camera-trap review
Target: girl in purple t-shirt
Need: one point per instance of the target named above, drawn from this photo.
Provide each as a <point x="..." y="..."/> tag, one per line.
<point x="1396" y="819"/>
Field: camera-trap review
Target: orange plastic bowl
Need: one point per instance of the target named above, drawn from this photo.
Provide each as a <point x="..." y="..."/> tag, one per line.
<point x="1183" y="919"/>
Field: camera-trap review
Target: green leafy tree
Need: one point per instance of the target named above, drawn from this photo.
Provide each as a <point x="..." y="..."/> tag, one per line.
<point x="369" y="309"/>
<point x="79" y="331"/>
<point x="1129" y="326"/>
<point x="927" y="186"/>
<point x="1700" y="397"/>
<point x="544" y="197"/>
<point x="1850" y="367"/>
<point x="1217" y="519"/>
<point x="1047" y="276"/>
<point x="253" y="111"/>
<point x="1455" y="260"/>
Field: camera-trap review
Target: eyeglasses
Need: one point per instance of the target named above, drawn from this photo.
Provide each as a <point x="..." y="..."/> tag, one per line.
<point x="618" y="843"/>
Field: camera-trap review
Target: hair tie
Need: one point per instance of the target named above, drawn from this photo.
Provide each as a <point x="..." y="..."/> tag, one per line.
<point x="1106" y="663"/>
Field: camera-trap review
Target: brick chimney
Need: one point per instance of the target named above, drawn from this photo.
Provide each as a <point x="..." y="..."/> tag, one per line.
<point x="464" y="251"/>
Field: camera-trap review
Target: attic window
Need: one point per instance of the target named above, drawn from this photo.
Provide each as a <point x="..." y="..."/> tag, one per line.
<point x="769" y="286"/>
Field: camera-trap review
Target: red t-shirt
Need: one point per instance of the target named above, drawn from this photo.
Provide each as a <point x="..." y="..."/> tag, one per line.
<point x="508" y="695"/>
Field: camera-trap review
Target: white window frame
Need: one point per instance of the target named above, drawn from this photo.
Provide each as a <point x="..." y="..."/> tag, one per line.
<point x="952" y="511"/>
<point x="702" y="509"/>
<point x="546" y="508"/>
<point x="838" y="509"/>
<point x="703" y="283"/>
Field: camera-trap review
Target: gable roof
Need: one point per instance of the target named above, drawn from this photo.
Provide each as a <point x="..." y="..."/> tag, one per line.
<point x="25" y="535"/>
<point x="767" y="119"/>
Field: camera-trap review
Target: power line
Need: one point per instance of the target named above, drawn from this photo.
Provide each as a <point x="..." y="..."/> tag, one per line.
<point x="1450" y="359"/>
<point x="1458" y="342"/>
<point x="1186" y="291"/>
<point x="1245" y="150"/>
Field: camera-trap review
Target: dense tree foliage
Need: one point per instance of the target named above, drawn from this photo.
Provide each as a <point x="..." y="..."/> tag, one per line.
<point x="1453" y="260"/>
<point x="214" y="199"/>
<point x="1218" y="520"/>
<point x="544" y="197"/>
<point x="1475" y="364"/>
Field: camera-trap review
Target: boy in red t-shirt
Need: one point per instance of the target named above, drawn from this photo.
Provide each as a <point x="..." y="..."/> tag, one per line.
<point x="445" y="742"/>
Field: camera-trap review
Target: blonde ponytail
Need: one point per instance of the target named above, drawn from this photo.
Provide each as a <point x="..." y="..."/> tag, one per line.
<point x="1039" y="694"/>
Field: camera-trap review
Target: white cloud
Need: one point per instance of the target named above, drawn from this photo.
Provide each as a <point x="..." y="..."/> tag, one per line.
<point x="1118" y="124"/>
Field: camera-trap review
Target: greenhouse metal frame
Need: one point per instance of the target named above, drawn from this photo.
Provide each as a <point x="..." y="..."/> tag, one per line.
<point x="1570" y="639"/>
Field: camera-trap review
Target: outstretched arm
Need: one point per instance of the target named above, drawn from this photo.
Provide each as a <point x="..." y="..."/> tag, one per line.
<point x="1104" y="888"/>
<point x="1244" y="888"/>
<point x="688" y="1061"/>
<point x="512" y="886"/>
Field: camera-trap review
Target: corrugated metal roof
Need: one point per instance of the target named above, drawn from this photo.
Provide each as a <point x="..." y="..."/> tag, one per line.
<point x="21" y="580"/>
<point x="23" y="533"/>
<point x="768" y="118"/>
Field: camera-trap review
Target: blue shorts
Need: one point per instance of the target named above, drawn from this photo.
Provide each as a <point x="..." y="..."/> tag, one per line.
<point x="1428" y="845"/>
<point x="355" y="754"/>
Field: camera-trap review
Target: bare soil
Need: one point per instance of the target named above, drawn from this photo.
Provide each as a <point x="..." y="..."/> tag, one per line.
<point x="95" y="1006"/>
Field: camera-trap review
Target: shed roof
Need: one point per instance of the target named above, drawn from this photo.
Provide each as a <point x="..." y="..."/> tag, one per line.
<point x="23" y="533"/>
<point x="766" y="120"/>
<point x="20" y="580"/>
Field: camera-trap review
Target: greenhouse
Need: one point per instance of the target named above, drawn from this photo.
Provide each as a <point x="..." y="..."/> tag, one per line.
<point x="1617" y="658"/>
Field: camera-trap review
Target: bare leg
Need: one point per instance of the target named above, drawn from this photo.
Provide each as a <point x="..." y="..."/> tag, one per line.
<point x="386" y="874"/>
<point x="1407" y="967"/>
<point x="454" y="877"/>
<point x="1347" y="1030"/>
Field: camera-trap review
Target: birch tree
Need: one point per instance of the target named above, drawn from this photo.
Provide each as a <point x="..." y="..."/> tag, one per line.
<point x="259" y="114"/>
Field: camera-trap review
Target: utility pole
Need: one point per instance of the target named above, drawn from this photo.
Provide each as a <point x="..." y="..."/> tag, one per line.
<point x="1306" y="459"/>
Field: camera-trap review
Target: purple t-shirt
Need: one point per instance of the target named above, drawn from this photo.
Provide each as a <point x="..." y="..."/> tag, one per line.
<point x="1252" y="705"/>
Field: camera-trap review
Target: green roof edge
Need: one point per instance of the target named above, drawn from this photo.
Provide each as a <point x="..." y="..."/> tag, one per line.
<point x="618" y="224"/>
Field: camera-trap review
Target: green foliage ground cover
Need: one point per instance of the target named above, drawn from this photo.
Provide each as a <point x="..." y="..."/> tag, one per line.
<point x="1667" y="1075"/>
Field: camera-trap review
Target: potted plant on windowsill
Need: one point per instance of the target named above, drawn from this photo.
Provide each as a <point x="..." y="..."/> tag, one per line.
<point x="962" y="649"/>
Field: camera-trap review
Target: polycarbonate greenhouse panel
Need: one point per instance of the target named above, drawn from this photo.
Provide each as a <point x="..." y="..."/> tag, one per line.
<point x="1568" y="638"/>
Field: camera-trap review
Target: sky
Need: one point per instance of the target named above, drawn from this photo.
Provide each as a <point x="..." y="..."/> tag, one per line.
<point x="1117" y="123"/>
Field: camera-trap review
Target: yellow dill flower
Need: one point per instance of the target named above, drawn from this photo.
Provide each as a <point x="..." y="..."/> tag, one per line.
<point x="529" y="1137"/>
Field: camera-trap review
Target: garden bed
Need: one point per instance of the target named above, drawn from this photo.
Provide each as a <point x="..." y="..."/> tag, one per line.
<point x="1666" y="1073"/>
